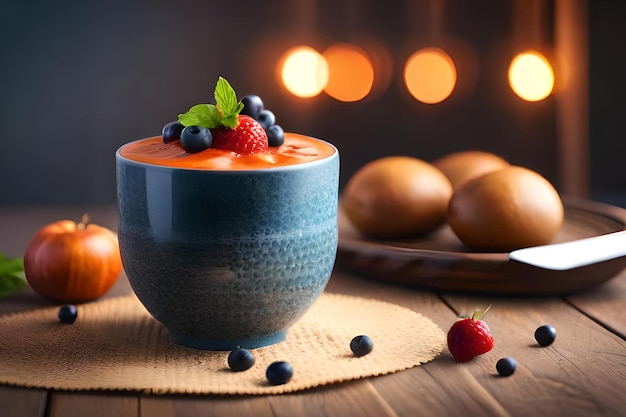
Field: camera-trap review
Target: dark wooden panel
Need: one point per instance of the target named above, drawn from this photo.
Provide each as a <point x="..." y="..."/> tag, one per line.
<point x="18" y="402"/>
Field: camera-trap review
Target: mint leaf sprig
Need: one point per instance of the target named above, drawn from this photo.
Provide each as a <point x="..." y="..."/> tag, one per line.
<point x="224" y="113"/>
<point x="12" y="277"/>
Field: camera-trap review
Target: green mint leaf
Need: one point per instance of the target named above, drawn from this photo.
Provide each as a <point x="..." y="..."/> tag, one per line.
<point x="231" y="121"/>
<point x="205" y="115"/>
<point x="12" y="277"/>
<point x="226" y="99"/>
<point x="224" y="113"/>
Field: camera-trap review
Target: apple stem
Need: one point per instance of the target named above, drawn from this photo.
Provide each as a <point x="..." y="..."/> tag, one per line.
<point x="83" y="222"/>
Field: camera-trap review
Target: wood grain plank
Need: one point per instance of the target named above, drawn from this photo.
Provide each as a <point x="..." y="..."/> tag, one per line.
<point x="27" y="299"/>
<point x="356" y="399"/>
<point x="605" y="304"/>
<point x="97" y="404"/>
<point x="18" y="224"/>
<point x="22" y="402"/>
<point x="426" y="303"/>
<point x="22" y="301"/>
<point x="427" y="390"/>
<point x="581" y="374"/>
<point x="205" y="406"/>
<point x="352" y="399"/>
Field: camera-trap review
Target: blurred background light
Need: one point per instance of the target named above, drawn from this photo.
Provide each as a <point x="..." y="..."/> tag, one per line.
<point x="430" y="75"/>
<point x="531" y="76"/>
<point x="304" y="71"/>
<point x="350" y="72"/>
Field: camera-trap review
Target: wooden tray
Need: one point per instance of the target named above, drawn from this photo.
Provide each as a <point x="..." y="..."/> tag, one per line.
<point x="441" y="262"/>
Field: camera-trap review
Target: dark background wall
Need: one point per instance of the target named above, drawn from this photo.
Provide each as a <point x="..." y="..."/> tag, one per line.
<point x="607" y="101"/>
<point x="80" y="78"/>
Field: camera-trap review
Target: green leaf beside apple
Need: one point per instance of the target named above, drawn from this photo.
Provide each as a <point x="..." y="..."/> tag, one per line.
<point x="12" y="277"/>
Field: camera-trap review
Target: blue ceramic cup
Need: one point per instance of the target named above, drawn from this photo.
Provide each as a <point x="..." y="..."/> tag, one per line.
<point x="228" y="258"/>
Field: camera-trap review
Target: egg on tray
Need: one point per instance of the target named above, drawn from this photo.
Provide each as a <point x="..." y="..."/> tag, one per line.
<point x="490" y="204"/>
<point x="397" y="197"/>
<point x="507" y="209"/>
<point x="463" y="166"/>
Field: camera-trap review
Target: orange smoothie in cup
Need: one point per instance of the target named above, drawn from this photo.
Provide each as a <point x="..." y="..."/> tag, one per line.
<point x="297" y="149"/>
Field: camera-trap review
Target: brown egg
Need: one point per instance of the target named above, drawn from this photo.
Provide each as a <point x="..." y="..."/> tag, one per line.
<point x="397" y="197"/>
<point x="506" y="209"/>
<point x="463" y="166"/>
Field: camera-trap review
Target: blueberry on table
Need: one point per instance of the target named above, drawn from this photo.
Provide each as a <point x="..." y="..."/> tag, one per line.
<point x="240" y="360"/>
<point x="67" y="313"/>
<point x="266" y="119"/>
<point x="545" y="335"/>
<point x="279" y="373"/>
<point x="506" y="366"/>
<point x="196" y="138"/>
<point x="361" y="345"/>
<point x="171" y="132"/>
<point x="275" y="135"/>
<point x="252" y="106"/>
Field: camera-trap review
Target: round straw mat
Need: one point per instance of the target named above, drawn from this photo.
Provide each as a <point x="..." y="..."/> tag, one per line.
<point x="116" y="345"/>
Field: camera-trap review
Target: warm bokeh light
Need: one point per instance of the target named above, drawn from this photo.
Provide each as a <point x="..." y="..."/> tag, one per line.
<point x="531" y="76"/>
<point x="350" y="73"/>
<point x="304" y="71"/>
<point x="430" y="75"/>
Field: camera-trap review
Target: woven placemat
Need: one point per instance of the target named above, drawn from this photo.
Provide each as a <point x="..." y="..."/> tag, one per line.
<point x="116" y="345"/>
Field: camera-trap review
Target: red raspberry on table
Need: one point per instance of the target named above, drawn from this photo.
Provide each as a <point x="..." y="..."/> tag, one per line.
<point x="247" y="138"/>
<point x="470" y="337"/>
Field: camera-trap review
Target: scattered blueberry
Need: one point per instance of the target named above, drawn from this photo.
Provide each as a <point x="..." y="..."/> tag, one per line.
<point x="275" y="135"/>
<point x="267" y="119"/>
<point x="279" y="373"/>
<point x="196" y="138"/>
<point x="361" y="345"/>
<point x="506" y="366"/>
<point x="240" y="360"/>
<point x="68" y="313"/>
<point x="172" y="131"/>
<point x="545" y="335"/>
<point x="252" y="106"/>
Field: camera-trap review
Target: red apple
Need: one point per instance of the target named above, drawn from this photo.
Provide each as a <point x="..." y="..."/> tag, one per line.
<point x="72" y="263"/>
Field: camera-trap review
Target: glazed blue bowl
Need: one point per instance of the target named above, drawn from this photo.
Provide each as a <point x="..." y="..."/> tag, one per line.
<point x="228" y="258"/>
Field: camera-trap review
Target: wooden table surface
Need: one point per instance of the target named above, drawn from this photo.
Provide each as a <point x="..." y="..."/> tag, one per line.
<point x="582" y="374"/>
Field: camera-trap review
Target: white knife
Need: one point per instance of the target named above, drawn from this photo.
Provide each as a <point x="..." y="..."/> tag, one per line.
<point x="574" y="254"/>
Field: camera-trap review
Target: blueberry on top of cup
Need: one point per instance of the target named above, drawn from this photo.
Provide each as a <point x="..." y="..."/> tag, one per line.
<point x="171" y="131"/>
<point x="244" y="127"/>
